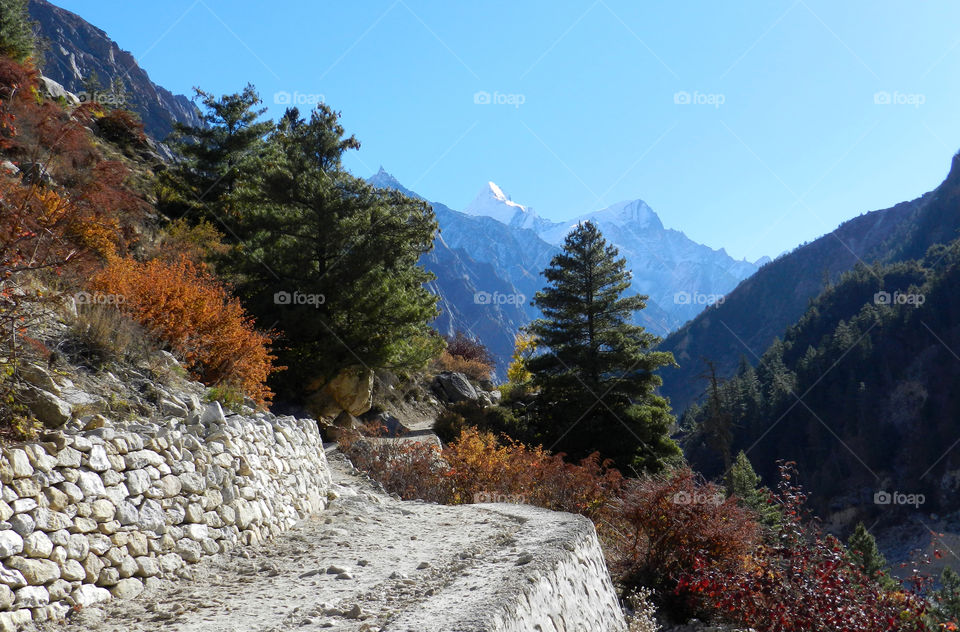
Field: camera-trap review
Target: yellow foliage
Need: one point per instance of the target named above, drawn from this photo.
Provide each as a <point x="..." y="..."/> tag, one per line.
<point x="524" y="345"/>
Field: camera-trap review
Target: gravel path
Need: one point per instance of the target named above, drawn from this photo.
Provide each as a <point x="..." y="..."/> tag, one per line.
<point x="364" y="560"/>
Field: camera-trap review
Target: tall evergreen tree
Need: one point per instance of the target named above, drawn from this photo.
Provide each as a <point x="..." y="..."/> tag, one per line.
<point x="862" y="551"/>
<point x="717" y="425"/>
<point x="597" y="375"/>
<point x="331" y="261"/>
<point x="947" y="598"/>
<point x="216" y="158"/>
<point x="744" y="483"/>
<point x="16" y="30"/>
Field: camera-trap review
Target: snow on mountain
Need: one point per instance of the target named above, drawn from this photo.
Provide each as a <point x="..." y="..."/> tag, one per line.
<point x="678" y="274"/>
<point x="491" y="201"/>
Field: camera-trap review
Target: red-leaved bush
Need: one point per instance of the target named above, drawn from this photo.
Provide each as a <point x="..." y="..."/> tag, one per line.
<point x="662" y="526"/>
<point x="800" y="580"/>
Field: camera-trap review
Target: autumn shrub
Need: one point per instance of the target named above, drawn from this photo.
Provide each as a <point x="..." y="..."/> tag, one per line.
<point x="411" y="469"/>
<point x="200" y="242"/>
<point x="802" y="580"/>
<point x="191" y="312"/>
<point x="473" y="369"/>
<point x="466" y="355"/>
<point x="479" y="467"/>
<point x="51" y="230"/>
<point x="661" y="526"/>
<point x="460" y="345"/>
<point x="122" y="128"/>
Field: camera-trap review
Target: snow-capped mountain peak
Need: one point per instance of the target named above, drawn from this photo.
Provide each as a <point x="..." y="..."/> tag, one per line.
<point x="632" y="212"/>
<point x="491" y="201"/>
<point x="632" y="215"/>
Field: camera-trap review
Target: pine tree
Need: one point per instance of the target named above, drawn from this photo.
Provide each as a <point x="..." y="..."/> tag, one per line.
<point x="216" y="158"/>
<point x="863" y="552"/>
<point x="349" y="251"/>
<point x="597" y="375"/>
<point x="16" y="30"/>
<point x="947" y="599"/>
<point x="717" y="425"/>
<point x="744" y="483"/>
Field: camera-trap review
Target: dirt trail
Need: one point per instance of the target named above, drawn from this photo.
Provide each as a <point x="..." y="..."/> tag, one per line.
<point x="353" y="567"/>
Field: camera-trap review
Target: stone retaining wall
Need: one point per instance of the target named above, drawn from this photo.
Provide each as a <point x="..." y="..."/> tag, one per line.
<point x="96" y="514"/>
<point x="552" y="578"/>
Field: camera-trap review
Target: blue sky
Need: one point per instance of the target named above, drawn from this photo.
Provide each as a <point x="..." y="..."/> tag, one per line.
<point x="752" y="127"/>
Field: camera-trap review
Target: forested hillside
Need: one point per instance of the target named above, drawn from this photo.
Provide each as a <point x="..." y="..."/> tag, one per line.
<point x="873" y="359"/>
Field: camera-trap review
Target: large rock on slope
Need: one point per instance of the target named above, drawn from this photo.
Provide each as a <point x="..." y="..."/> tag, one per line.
<point x="351" y="391"/>
<point x="455" y="387"/>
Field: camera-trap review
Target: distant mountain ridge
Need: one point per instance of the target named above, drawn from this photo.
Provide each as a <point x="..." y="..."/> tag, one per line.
<point x="76" y="49"/>
<point x="499" y="248"/>
<point x="764" y="305"/>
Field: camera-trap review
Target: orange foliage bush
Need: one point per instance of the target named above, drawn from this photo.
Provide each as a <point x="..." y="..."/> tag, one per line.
<point x="471" y="368"/>
<point x="477" y="467"/>
<point x="184" y="306"/>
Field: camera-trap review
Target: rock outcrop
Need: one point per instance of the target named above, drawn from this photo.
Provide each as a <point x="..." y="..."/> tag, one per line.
<point x="350" y="391"/>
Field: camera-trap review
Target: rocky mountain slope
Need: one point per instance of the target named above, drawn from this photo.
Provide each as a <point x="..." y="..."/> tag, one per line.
<point x="75" y="49"/>
<point x="764" y="305"/>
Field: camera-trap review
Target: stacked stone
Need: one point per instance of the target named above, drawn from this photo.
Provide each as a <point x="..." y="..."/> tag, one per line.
<point x="99" y="514"/>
